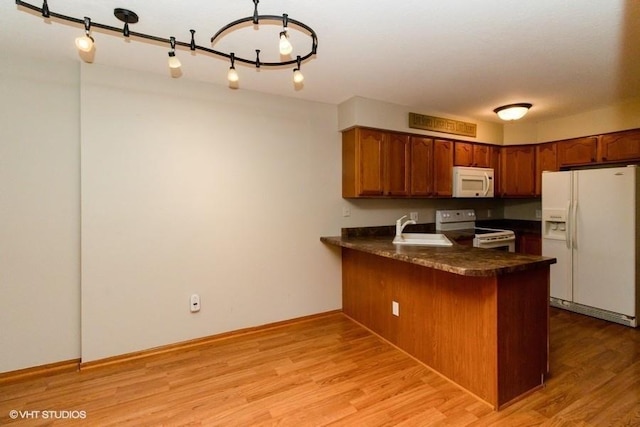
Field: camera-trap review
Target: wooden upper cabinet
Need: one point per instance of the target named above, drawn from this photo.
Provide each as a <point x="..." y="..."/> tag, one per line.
<point x="482" y="155"/>
<point x="463" y="153"/>
<point x="421" y="169"/>
<point x="517" y="171"/>
<point x="362" y="162"/>
<point x="470" y="154"/>
<point x="396" y="165"/>
<point x="577" y="151"/>
<point x="546" y="160"/>
<point x="620" y="146"/>
<point x="442" y="167"/>
<point x="375" y="163"/>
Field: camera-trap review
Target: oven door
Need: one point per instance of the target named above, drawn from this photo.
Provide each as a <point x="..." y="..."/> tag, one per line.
<point x="505" y="245"/>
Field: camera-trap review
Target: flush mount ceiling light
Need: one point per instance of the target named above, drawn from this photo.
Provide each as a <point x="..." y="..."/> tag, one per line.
<point x="284" y="47"/>
<point x="512" y="111"/>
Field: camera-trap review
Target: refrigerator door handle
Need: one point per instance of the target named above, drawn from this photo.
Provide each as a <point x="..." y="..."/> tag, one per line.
<point x="568" y="235"/>
<point x="574" y="225"/>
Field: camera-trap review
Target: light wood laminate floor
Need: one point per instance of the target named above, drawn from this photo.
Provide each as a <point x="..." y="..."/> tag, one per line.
<point x="331" y="371"/>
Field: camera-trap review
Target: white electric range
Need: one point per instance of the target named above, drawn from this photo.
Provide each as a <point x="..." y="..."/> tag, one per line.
<point x="465" y="220"/>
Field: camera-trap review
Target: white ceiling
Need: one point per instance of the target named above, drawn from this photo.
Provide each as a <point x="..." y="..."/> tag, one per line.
<point x="454" y="57"/>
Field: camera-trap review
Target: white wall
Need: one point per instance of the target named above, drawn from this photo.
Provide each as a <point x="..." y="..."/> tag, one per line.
<point x="384" y="115"/>
<point x="39" y="213"/>
<point x="625" y="115"/>
<point x="193" y="188"/>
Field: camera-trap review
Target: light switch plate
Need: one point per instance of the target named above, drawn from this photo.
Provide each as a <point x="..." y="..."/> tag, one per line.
<point x="395" y="308"/>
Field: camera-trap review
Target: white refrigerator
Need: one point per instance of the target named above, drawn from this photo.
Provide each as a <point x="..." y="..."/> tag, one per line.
<point x="590" y="225"/>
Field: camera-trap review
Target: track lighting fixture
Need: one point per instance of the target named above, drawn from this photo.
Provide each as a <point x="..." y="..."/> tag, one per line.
<point x="298" y="77"/>
<point x="173" y="61"/>
<point x="86" y="42"/>
<point x="232" y="74"/>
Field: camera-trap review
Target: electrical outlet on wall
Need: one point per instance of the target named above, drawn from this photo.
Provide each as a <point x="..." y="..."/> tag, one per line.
<point x="538" y="214"/>
<point x="413" y="216"/>
<point x="195" y="303"/>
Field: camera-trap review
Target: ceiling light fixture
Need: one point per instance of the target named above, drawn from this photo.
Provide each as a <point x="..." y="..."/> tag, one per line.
<point x="128" y="17"/>
<point x="512" y="111"/>
<point x="85" y="43"/>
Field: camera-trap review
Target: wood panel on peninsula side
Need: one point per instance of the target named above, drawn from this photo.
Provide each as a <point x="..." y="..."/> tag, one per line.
<point x="478" y="317"/>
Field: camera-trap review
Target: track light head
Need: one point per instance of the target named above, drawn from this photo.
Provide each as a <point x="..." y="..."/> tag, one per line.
<point x="85" y="43"/>
<point x="174" y="62"/>
<point x="232" y="74"/>
<point x="298" y="77"/>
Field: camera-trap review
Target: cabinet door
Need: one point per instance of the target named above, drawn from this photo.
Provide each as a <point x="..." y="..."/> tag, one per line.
<point x="463" y="154"/>
<point x="620" y="146"/>
<point x="370" y="160"/>
<point x="529" y="243"/>
<point x="518" y="171"/>
<point x="577" y="151"/>
<point x="442" y="167"/>
<point x="421" y="166"/>
<point x="396" y="167"/>
<point x="546" y="160"/>
<point x="481" y="156"/>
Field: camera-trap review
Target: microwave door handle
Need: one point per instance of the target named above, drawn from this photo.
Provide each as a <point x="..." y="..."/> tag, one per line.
<point x="486" y="184"/>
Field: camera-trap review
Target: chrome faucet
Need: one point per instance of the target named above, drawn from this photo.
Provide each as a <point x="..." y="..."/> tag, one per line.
<point x="400" y="226"/>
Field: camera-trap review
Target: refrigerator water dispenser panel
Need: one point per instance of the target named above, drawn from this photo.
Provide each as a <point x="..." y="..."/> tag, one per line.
<point x="554" y="224"/>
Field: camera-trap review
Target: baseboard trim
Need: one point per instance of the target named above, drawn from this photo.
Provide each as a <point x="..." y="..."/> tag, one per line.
<point x="49" y="369"/>
<point x="191" y="344"/>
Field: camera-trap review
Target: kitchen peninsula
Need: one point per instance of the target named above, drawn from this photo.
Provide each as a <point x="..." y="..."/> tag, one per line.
<point x="479" y="317"/>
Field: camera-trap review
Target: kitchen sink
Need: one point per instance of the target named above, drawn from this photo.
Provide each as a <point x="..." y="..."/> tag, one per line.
<point x="422" y="239"/>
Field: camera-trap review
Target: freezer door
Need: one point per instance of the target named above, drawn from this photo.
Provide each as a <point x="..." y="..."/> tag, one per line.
<point x="604" y="239"/>
<point x="556" y="207"/>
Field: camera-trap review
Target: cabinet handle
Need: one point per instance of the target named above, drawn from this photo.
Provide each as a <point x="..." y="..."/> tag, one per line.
<point x="604" y="159"/>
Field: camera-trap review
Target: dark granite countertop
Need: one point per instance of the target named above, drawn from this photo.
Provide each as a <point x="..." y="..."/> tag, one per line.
<point x="457" y="259"/>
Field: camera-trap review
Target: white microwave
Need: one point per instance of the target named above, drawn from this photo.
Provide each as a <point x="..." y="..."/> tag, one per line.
<point x="472" y="182"/>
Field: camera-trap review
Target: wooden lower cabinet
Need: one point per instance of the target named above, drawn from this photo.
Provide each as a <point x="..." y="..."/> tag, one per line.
<point x="487" y="334"/>
<point x="529" y="243"/>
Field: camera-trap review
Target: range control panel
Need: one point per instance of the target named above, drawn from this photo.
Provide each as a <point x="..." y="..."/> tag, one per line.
<point x="455" y="219"/>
